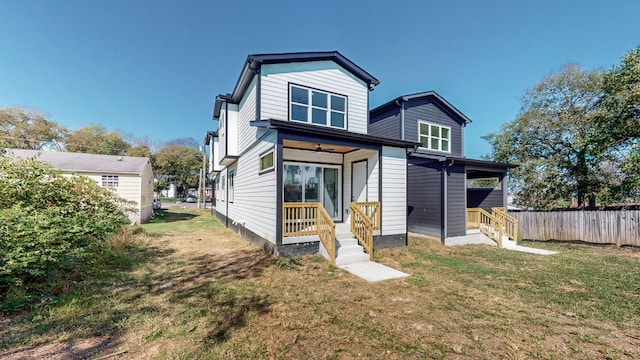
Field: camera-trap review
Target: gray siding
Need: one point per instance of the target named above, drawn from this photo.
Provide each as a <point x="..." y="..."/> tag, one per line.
<point x="426" y="109"/>
<point x="456" y="200"/>
<point x="386" y="124"/>
<point x="424" y="197"/>
<point x="485" y="198"/>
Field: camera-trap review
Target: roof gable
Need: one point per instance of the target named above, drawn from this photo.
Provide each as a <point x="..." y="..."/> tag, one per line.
<point x="412" y="97"/>
<point x="81" y="162"/>
<point x="254" y="63"/>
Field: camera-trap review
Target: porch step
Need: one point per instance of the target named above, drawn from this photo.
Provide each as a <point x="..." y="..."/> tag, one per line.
<point x="348" y="251"/>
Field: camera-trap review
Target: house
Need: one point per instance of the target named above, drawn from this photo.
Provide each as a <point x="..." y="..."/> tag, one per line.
<point x="129" y="177"/>
<point x="442" y="183"/>
<point x="295" y="170"/>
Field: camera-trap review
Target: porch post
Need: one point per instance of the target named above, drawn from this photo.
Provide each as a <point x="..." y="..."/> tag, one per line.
<point x="279" y="152"/>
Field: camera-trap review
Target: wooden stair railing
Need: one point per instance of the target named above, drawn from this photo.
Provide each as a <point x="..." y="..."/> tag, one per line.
<point x="362" y="227"/>
<point x="310" y="218"/>
<point x="509" y="222"/>
<point x="488" y="224"/>
<point x="372" y="210"/>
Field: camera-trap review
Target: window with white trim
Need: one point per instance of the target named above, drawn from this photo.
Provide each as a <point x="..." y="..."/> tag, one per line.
<point x="317" y="107"/>
<point x="222" y="182"/>
<point x="266" y="162"/>
<point x="110" y="181"/>
<point x="434" y="137"/>
<point x="230" y="181"/>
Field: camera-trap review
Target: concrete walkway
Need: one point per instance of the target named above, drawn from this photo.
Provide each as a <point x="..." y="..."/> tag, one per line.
<point x="475" y="237"/>
<point x="373" y="271"/>
<point x="511" y="245"/>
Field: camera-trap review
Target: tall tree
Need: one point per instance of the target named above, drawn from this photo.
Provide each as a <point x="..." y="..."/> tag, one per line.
<point x="95" y="139"/>
<point x="618" y="125"/>
<point x="29" y="129"/>
<point x="550" y="141"/>
<point x="181" y="164"/>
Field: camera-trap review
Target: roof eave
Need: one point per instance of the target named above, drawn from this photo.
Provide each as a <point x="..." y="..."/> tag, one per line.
<point x="254" y="62"/>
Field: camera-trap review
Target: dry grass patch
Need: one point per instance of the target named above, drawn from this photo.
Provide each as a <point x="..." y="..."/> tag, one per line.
<point x="207" y="294"/>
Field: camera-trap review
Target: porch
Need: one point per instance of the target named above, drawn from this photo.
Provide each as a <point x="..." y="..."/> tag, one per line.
<point x="341" y="243"/>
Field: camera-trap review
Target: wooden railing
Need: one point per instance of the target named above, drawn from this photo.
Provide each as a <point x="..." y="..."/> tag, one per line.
<point x="372" y="210"/>
<point x="362" y="228"/>
<point x="487" y="223"/>
<point x="509" y="222"/>
<point x="310" y="218"/>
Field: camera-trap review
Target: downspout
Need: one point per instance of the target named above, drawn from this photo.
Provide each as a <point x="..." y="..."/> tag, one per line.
<point x="401" y="119"/>
<point x="226" y="198"/>
<point x="444" y="198"/>
<point x="258" y="92"/>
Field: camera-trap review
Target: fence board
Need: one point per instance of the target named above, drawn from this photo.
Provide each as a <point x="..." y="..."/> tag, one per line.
<point x="620" y="227"/>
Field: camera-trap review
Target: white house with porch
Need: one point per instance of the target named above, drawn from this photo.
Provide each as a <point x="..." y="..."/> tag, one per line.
<point x="295" y="170"/>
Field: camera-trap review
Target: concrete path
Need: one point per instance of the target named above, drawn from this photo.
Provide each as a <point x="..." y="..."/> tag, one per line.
<point x="511" y="245"/>
<point x="475" y="237"/>
<point x="373" y="271"/>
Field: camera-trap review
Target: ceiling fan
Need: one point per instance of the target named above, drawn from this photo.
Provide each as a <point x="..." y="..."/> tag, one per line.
<point x="319" y="149"/>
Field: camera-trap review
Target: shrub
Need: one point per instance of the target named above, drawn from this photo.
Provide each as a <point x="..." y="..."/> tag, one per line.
<point x="50" y="225"/>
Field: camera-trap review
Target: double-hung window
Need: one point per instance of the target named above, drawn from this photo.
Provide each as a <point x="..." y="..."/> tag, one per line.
<point x="317" y="107"/>
<point x="434" y="137"/>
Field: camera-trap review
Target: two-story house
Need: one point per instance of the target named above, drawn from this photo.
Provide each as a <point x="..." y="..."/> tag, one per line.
<point x="442" y="182"/>
<point x="294" y="165"/>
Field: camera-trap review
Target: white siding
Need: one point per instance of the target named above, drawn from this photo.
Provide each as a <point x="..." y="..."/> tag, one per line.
<point x="232" y="130"/>
<point x="321" y="75"/>
<point x="254" y="205"/>
<point x="222" y="133"/>
<point x="221" y="195"/>
<point x="247" y="134"/>
<point x="132" y="187"/>
<point x="372" y="180"/>
<point x="394" y="190"/>
<point x="146" y="194"/>
<point x="214" y="157"/>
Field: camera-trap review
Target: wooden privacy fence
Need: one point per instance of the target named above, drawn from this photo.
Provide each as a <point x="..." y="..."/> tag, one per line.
<point x="620" y="227"/>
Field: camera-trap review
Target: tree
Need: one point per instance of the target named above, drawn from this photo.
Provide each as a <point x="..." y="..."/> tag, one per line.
<point x="180" y="163"/>
<point x="550" y="140"/>
<point x="185" y="141"/>
<point x="618" y="125"/>
<point x="95" y="139"/>
<point x="29" y="129"/>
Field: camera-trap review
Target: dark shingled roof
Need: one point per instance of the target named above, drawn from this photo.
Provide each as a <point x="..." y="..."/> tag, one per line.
<point x="80" y="162"/>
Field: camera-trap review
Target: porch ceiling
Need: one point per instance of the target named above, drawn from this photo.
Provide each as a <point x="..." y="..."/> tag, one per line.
<point x="313" y="146"/>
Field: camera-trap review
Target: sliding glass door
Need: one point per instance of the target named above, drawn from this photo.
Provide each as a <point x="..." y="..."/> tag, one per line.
<point x="313" y="183"/>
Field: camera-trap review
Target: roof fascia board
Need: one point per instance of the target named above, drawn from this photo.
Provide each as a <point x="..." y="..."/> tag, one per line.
<point x="254" y="62"/>
<point x="405" y="98"/>
<point x="328" y="132"/>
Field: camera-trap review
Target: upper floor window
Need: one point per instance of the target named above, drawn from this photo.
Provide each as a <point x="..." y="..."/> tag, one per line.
<point x="110" y="181"/>
<point x="317" y="107"/>
<point x="434" y="137"/>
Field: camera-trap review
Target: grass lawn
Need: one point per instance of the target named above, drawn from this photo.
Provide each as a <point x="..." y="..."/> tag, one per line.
<point x="191" y="289"/>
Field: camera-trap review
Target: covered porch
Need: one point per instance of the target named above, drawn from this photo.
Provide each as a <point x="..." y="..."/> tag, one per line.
<point x="333" y="184"/>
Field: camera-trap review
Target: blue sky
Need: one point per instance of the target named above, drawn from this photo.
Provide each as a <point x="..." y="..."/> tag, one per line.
<point x="153" y="68"/>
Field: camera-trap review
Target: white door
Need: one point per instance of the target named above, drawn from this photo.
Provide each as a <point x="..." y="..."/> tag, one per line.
<point x="359" y="191"/>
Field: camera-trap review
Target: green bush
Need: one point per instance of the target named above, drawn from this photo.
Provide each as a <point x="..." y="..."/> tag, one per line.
<point x="50" y="227"/>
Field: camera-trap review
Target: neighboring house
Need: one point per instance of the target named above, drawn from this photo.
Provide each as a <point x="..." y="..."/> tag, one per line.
<point x="292" y="149"/>
<point x="442" y="182"/>
<point x="129" y="177"/>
